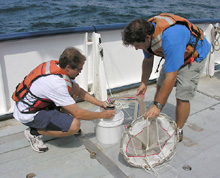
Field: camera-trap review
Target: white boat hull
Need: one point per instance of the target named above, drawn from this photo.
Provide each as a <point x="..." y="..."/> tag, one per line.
<point x="121" y="66"/>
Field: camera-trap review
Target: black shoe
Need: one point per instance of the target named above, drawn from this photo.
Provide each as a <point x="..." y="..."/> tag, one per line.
<point x="79" y="132"/>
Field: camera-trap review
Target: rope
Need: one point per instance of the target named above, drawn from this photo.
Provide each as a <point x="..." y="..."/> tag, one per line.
<point x="150" y="167"/>
<point x="215" y="35"/>
<point x="158" y="139"/>
<point x="102" y="56"/>
<point x="215" y="45"/>
<point x="139" y="112"/>
<point x="146" y="159"/>
<point x="118" y="105"/>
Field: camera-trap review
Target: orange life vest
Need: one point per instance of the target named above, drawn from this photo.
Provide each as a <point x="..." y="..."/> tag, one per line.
<point x="23" y="88"/>
<point x="164" y="21"/>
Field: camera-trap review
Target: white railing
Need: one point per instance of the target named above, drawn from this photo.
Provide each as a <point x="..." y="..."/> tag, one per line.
<point x="120" y="66"/>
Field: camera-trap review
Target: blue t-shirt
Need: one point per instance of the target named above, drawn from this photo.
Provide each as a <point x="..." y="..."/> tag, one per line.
<point x="174" y="42"/>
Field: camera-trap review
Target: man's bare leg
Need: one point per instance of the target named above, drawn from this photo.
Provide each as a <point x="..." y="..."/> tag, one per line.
<point x="74" y="128"/>
<point x="182" y="112"/>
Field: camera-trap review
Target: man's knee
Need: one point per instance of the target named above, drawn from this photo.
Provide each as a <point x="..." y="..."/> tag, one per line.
<point x="180" y="101"/>
<point x="75" y="126"/>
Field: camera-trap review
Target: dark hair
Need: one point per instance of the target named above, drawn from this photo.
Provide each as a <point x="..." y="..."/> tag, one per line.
<point x="136" y="31"/>
<point x="71" y="56"/>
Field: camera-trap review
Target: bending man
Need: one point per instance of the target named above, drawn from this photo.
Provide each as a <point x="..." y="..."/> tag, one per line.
<point x="184" y="48"/>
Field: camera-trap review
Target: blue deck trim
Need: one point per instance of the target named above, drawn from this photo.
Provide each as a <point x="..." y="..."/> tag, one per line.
<point x="204" y="21"/>
<point x="24" y="35"/>
<point x="62" y="31"/>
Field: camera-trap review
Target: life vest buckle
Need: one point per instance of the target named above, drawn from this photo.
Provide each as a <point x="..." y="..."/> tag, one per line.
<point x="191" y="59"/>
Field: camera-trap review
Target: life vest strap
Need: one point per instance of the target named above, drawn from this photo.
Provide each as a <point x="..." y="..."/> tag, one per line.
<point x="189" y="59"/>
<point x="32" y="108"/>
<point x="157" y="70"/>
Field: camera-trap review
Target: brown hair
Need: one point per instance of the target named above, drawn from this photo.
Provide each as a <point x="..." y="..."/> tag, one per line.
<point x="136" y="31"/>
<point x="71" y="56"/>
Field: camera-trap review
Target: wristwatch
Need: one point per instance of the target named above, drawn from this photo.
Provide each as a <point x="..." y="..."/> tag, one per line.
<point x="159" y="106"/>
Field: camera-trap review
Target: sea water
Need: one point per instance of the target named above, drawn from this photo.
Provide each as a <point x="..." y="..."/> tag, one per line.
<point x="35" y="15"/>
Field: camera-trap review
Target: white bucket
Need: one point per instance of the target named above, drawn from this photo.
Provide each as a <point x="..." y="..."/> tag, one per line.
<point x="109" y="131"/>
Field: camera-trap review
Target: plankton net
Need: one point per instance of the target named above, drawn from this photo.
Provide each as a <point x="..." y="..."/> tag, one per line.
<point x="148" y="143"/>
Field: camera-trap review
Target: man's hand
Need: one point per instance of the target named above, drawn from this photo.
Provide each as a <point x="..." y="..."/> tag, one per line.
<point x="152" y="113"/>
<point x="103" y="104"/>
<point x="108" y="114"/>
<point x="142" y="89"/>
<point x="147" y="66"/>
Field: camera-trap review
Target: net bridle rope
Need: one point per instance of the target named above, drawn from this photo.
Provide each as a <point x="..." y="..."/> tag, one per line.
<point x="119" y="104"/>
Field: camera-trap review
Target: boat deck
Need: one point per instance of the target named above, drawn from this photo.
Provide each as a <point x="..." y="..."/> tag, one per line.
<point x="70" y="157"/>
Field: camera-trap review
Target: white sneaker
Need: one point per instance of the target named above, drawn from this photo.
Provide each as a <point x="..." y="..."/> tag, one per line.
<point x="180" y="134"/>
<point x="36" y="141"/>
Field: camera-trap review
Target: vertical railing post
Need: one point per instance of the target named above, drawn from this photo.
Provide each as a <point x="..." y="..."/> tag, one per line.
<point x="99" y="78"/>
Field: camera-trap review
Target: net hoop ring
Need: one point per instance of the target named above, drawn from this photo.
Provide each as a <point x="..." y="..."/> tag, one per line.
<point x="138" y="148"/>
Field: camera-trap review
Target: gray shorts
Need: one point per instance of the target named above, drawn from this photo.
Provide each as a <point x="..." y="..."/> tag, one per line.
<point x="51" y="120"/>
<point x="187" y="80"/>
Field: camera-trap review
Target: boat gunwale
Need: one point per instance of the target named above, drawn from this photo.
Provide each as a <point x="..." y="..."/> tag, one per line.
<point x="72" y="30"/>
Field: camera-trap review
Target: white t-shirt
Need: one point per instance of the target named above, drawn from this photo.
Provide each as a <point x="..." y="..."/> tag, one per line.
<point x="50" y="87"/>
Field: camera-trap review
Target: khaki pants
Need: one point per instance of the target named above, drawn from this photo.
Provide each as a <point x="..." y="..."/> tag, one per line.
<point x="187" y="80"/>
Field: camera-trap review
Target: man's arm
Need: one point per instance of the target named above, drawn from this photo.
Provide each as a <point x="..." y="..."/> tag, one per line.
<point x="87" y="97"/>
<point x="147" y="66"/>
<point x="163" y="94"/>
<point x="166" y="87"/>
<point x="81" y="93"/>
<point x="83" y="114"/>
